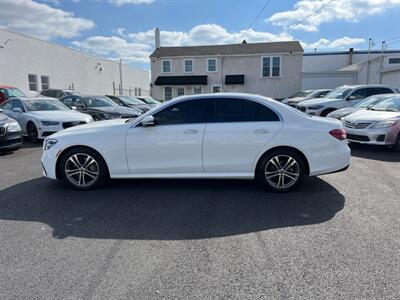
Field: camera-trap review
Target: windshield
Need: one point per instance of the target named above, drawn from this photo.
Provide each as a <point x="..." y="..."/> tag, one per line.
<point x="301" y="94"/>
<point x="13" y="92"/>
<point x="370" y="101"/>
<point x="339" y="93"/>
<point x="44" y="105"/>
<point x="150" y="100"/>
<point x="391" y="104"/>
<point x="130" y="100"/>
<point x="98" y="101"/>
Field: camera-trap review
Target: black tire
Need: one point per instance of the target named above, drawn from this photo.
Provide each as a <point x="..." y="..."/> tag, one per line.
<point x="327" y="111"/>
<point x="396" y="146"/>
<point x="32" y="133"/>
<point x="81" y="153"/>
<point x="266" y="165"/>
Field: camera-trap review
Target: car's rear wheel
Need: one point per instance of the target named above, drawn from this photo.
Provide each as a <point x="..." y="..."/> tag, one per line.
<point x="83" y="168"/>
<point x="32" y="133"/>
<point x="281" y="170"/>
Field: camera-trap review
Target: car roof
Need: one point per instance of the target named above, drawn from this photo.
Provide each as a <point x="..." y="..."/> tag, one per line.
<point x="366" y="85"/>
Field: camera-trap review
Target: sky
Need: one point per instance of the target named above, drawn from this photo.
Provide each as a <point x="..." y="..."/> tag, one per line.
<point x="124" y="29"/>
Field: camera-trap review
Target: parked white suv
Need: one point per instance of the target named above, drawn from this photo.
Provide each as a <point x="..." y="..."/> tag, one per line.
<point x="343" y="96"/>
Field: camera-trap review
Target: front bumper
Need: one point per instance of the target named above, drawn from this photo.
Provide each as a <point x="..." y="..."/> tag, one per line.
<point x="10" y="140"/>
<point x="49" y="161"/>
<point x="384" y="136"/>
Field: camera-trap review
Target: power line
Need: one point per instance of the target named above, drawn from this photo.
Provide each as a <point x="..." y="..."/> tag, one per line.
<point x="315" y="12"/>
<point x="259" y="13"/>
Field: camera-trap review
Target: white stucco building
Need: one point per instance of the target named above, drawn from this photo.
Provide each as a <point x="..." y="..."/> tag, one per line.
<point x="332" y="69"/>
<point x="270" y="69"/>
<point x="32" y="65"/>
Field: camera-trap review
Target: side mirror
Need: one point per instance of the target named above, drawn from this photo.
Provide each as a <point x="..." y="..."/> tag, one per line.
<point x="17" y="110"/>
<point x="148" y="121"/>
<point x="74" y="108"/>
<point x="352" y="98"/>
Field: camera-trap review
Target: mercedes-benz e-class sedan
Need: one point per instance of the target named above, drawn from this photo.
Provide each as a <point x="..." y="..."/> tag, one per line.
<point x="379" y="125"/>
<point x="240" y="136"/>
<point x="41" y="117"/>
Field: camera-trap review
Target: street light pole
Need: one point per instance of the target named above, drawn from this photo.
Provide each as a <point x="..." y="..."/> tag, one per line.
<point x="381" y="66"/>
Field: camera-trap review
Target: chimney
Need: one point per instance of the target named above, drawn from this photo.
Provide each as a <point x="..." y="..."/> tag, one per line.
<point x="157" y="38"/>
<point x="351" y="50"/>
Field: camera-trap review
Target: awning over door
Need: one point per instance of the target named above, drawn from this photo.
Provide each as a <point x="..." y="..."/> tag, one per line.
<point x="234" y="79"/>
<point x="181" y="80"/>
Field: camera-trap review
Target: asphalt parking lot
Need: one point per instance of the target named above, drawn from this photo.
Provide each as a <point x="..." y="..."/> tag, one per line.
<point x="337" y="236"/>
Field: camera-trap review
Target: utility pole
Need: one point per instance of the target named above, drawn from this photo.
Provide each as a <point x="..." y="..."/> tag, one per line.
<point x="370" y="42"/>
<point x="381" y="66"/>
<point x="120" y="77"/>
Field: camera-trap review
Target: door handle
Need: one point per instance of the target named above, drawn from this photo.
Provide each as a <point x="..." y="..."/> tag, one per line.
<point x="190" y="131"/>
<point x="261" y="131"/>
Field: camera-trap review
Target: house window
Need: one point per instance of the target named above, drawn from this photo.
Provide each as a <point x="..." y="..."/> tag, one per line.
<point x="197" y="90"/>
<point x="216" y="89"/>
<point x="32" y="79"/>
<point x="180" y="91"/>
<point x="211" y="65"/>
<point x="188" y="64"/>
<point x="139" y="91"/>
<point x="394" y="60"/>
<point x="166" y="66"/>
<point x="271" y="66"/>
<point x="167" y="93"/>
<point x="45" y="82"/>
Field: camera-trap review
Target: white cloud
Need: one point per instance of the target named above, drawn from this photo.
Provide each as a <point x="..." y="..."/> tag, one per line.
<point x="325" y="11"/>
<point x="114" y="48"/>
<point x="341" y="43"/>
<point x="207" y="34"/>
<point x="123" y="2"/>
<point x="136" y="47"/>
<point x="41" y="20"/>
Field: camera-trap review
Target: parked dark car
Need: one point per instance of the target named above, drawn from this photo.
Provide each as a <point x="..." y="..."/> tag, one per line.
<point x="99" y="107"/>
<point x="150" y="101"/>
<point x="10" y="134"/>
<point x="130" y="101"/>
<point x="7" y="92"/>
<point x="58" y="93"/>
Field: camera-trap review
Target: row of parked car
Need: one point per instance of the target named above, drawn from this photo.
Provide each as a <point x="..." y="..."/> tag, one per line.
<point x="54" y="110"/>
<point x="370" y="113"/>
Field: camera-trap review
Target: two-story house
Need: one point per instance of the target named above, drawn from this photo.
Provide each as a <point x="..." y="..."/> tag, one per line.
<point x="269" y="69"/>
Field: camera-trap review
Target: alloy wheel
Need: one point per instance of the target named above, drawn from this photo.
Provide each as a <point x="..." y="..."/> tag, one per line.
<point x="282" y="171"/>
<point x="82" y="170"/>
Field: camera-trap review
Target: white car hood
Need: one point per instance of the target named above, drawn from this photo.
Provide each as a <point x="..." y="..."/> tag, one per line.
<point x="372" y="116"/>
<point x="322" y="101"/>
<point x="59" y="115"/>
<point x="90" y="127"/>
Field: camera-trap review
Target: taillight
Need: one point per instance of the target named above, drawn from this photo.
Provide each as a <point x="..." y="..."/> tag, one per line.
<point x="340" y="134"/>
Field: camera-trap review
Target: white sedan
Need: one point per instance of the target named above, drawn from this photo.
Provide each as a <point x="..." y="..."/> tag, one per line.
<point x="41" y="117"/>
<point x="240" y="136"/>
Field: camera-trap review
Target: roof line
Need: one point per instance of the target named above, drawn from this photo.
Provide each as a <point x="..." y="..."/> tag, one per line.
<point x="347" y="52"/>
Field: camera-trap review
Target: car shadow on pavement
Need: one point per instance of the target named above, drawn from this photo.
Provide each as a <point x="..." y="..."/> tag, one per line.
<point x="374" y="152"/>
<point x="168" y="209"/>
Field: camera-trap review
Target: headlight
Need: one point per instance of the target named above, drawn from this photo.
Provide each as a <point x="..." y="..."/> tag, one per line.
<point x="50" y="123"/>
<point x="315" y="107"/>
<point x="48" y="144"/>
<point x="385" y="124"/>
<point x="13" y="127"/>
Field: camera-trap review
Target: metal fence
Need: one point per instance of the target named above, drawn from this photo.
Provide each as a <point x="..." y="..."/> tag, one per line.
<point x="131" y="91"/>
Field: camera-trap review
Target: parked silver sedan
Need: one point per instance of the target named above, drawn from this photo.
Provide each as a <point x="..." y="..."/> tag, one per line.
<point x="379" y="125"/>
<point x="363" y="105"/>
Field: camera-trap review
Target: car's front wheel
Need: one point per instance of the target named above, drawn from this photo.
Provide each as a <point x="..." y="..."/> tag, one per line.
<point x="32" y="133"/>
<point x="83" y="168"/>
<point x="281" y="170"/>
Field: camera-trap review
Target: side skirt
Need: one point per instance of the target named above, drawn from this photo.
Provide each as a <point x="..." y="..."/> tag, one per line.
<point x="240" y="175"/>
